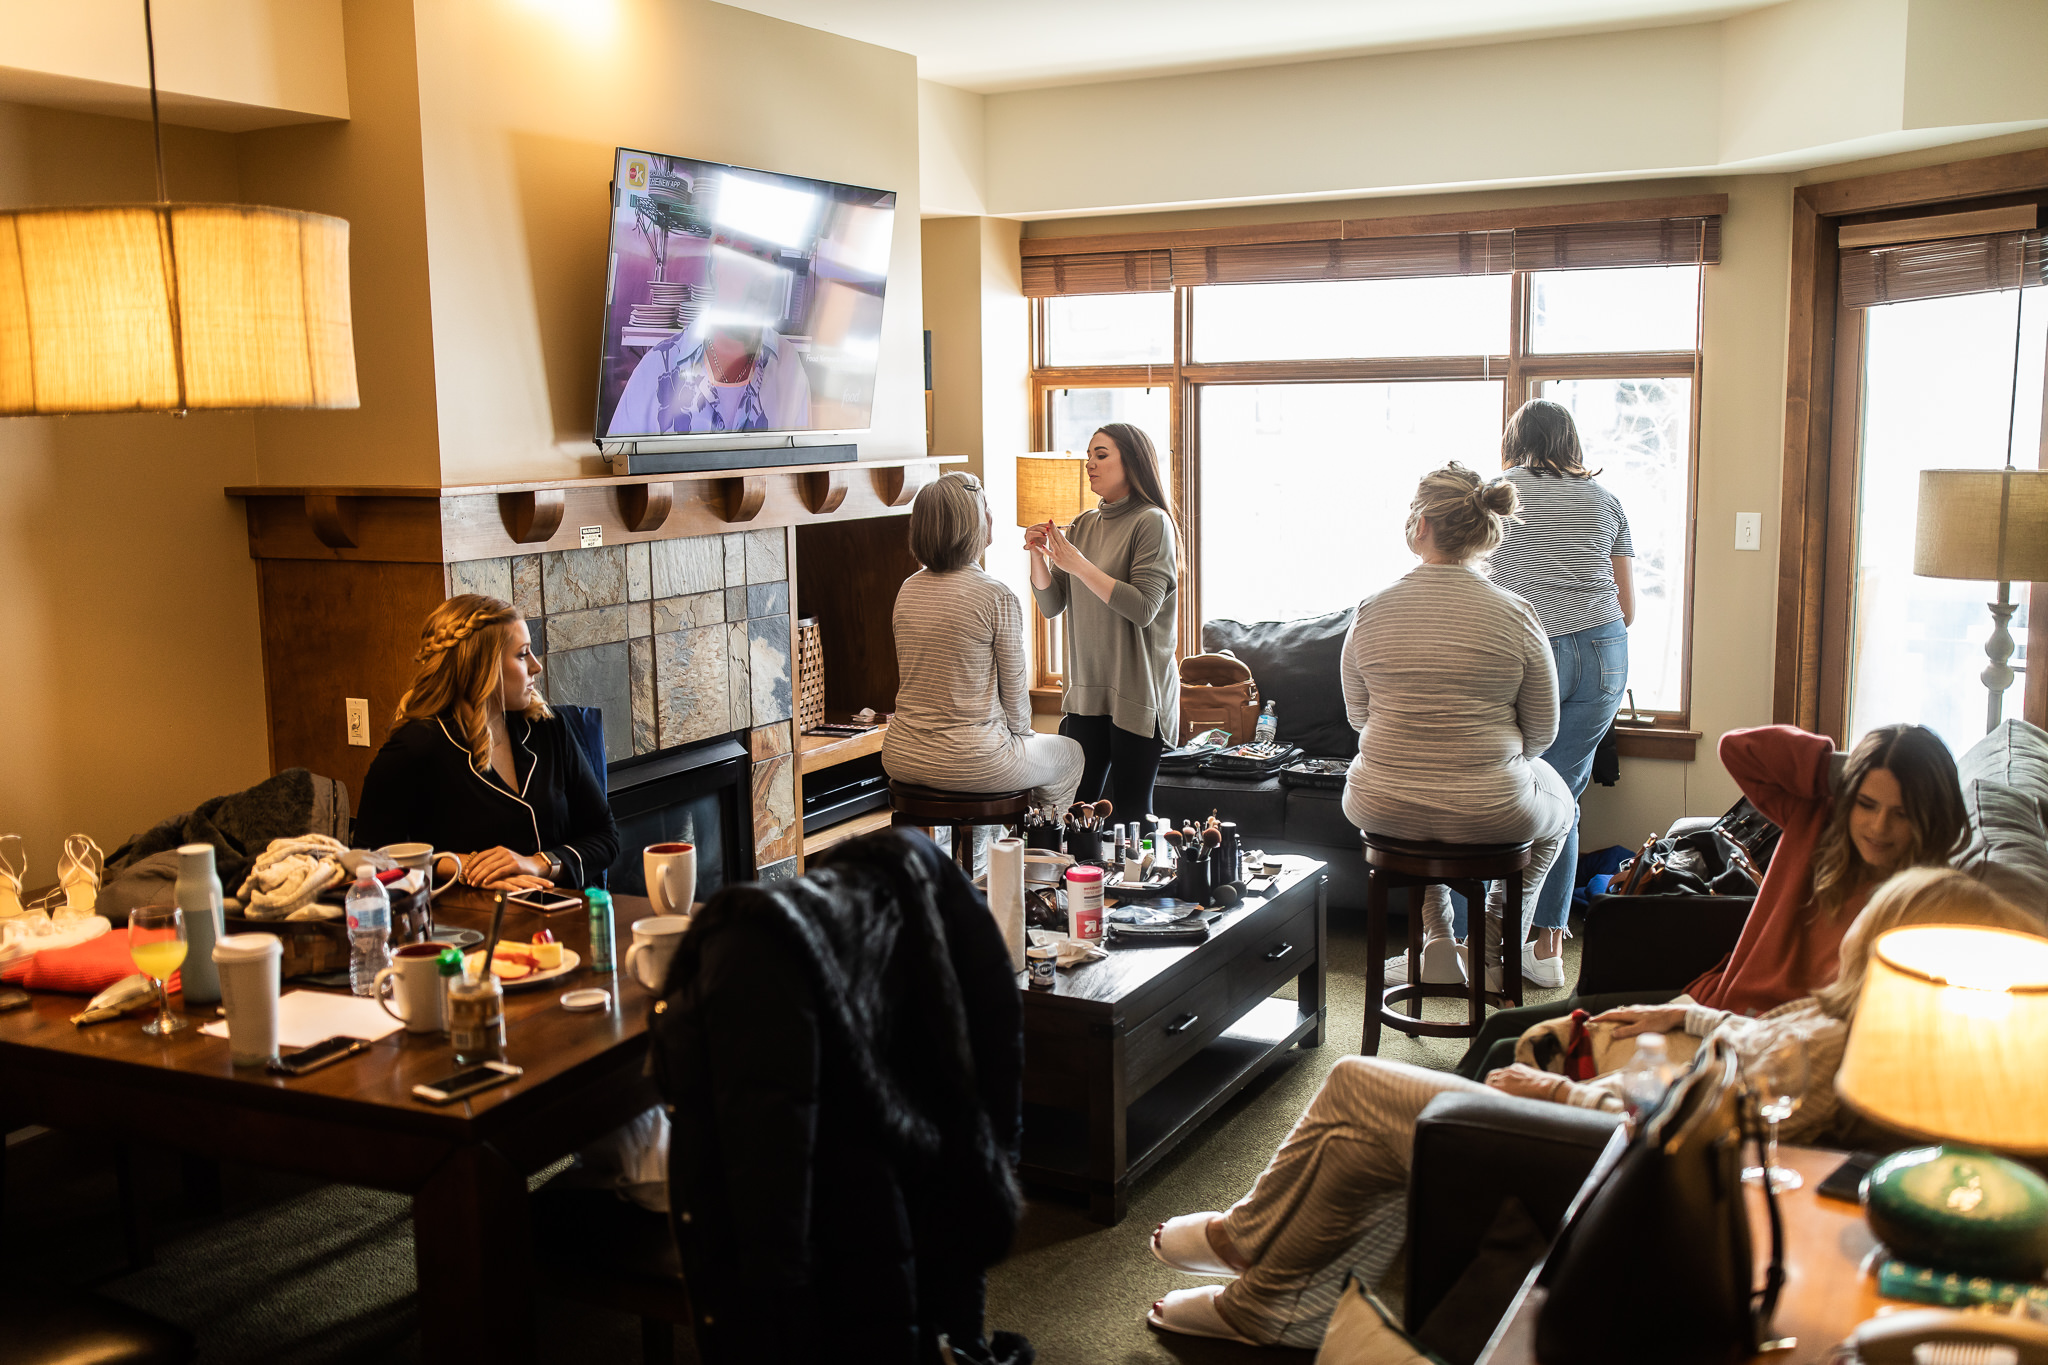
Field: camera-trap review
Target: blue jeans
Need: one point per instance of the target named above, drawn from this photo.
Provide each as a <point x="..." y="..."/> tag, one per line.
<point x="1592" y="671"/>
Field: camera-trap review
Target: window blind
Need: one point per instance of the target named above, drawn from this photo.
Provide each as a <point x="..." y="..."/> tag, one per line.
<point x="1953" y="265"/>
<point x="1357" y="254"/>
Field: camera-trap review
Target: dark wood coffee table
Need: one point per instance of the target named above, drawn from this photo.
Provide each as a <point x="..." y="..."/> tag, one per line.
<point x="1125" y="1057"/>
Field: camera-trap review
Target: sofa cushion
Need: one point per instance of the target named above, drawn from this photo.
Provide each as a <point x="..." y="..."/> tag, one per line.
<point x="1259" y="808"/>
<point x="2015" y="754"/>
<point x="1295" y="664"/>
<point x="2008" y="849"/>
<point x="1315" y="815"/>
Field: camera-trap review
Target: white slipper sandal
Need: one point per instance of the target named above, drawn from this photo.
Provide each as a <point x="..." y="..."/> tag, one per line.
<point x="1192" y="1313"/>
<point x="1183" y="1243"/>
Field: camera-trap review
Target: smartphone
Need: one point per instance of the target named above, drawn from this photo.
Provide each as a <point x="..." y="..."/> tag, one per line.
<point x="1845" y="1182"/>
<point x="326" y="1052"/>
<point x="13" y="998"/>
<point x="467" y="1082"/>
<point x="544" y="902"/>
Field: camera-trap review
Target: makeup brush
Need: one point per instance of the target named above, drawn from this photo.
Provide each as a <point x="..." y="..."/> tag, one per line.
<point x="1103" y="810"/>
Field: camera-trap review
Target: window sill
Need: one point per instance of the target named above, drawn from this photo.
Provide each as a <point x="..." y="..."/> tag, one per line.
<point x="1642" y="741"/>
<point x="1045" y="701"/>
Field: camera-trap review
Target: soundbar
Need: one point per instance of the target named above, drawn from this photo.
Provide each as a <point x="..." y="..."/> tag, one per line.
<point x="753" y="457"/>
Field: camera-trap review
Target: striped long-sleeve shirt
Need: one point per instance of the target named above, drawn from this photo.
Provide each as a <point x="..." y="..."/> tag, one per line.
<point x="963" y="709"/>
<point x="1560" y="555"/>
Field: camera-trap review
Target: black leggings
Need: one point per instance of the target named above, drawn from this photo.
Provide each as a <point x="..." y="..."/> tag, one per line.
<point x="1128" y="764"/>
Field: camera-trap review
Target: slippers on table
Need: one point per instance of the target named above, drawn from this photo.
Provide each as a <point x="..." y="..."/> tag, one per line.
<point x="1192" y="1313"/>
<point x="1183" y="1243"/>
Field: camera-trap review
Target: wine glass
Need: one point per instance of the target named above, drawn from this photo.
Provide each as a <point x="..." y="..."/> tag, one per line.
<point x="1779" y="1080"/>
<point x="156" y="941"/>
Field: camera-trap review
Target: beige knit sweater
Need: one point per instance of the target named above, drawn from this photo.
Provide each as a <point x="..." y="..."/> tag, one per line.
<point x="1120" y="653"/>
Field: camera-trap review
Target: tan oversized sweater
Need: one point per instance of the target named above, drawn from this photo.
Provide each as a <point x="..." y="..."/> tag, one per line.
<point x="1120" y="653"/>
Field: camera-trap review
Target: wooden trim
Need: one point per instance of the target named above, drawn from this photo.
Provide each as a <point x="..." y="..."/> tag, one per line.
<point x="1934" y="227"/>
<point x="1377" y="370"/>
<point x="1838" y="572"/>
<point x="740" y="497"/>
<point x="645" y="506"/>
<point x="2012" y="173"/>
<point x="1413" y="225"/>
<point x="436" y="490"/>
<point x="1678" y="746"/>
<point x="333" y="519"/>
<point x="532" y="515"/>
<point x="1809" y="408"/>
<point x="896" y="487"/>
<point x="822" y="489"/>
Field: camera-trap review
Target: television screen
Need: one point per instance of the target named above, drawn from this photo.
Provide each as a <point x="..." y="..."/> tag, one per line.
<point x="740" y="300"/>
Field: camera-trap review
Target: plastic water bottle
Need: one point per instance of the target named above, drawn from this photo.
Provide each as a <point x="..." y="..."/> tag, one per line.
<point x="1269" y="724"/>
<point x="369" y="931"/>
<point x="1647" y="1076"/>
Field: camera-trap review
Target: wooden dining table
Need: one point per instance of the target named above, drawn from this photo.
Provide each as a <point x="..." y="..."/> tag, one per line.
<point x="356" y="1122"/>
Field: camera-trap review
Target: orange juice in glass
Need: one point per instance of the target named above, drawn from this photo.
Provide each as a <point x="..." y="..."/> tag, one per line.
<point x="156" y="941"/>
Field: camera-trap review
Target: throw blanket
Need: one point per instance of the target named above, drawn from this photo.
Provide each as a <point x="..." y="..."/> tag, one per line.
<point x="242" y="823"/>
<point x="288" y="876"/>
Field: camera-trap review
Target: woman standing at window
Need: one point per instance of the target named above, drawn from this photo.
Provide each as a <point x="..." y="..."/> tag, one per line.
<point x="963" y="713"/>
<point x="1570" y="557"/>
<point x="1122" y="697"/>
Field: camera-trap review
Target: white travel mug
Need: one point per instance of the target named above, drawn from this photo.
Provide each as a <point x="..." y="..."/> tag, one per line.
<point x="654" y="947"/>
<point x="249" y="966"/>
<point x="671" y="872"/>
<point x="415" y="973"/>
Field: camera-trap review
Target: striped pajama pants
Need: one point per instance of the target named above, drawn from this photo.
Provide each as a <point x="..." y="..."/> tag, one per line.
<point x="1333" y="1200"/>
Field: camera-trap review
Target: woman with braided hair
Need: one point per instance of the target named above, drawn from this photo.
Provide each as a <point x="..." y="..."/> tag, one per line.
<point x="478" y="766"/>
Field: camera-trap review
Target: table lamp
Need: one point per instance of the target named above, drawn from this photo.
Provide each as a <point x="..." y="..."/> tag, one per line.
<point x="1990" y="525"/>
<point x="1052" y="486"/>
<point x="1949" y="1043"/>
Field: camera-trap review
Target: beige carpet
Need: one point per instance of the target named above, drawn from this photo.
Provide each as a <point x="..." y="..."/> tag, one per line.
<point x="1080" y="1291"/>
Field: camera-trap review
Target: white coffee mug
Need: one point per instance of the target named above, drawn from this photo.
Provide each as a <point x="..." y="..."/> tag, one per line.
<point x="654" y="947"/>
<point x="420" y="996"/>
<point x="671" y="871"/>
<point x="420" y="858"/>
<point x="249" y="965"/>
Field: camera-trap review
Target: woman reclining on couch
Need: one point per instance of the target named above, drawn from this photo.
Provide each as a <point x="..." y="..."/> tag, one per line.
<point x="1333" y="1198"/>
<point x="1904" y="809"/>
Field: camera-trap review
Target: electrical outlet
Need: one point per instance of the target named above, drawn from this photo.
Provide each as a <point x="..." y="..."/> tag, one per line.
<point x="1749" y="530"/>
<point x="358" y="721"/>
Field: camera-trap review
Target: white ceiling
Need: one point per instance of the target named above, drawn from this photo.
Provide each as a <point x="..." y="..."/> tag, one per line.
<point x="995" y="45"/>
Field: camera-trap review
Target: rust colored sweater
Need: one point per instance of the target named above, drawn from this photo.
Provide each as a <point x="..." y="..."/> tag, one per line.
<point x="1787" y="948"/>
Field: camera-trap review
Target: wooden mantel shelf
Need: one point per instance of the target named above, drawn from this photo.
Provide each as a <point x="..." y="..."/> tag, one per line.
<point x="453" y="523"/>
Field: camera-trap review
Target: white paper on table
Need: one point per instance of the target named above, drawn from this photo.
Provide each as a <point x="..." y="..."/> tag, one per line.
<point x="307" y="1017"/>
<point x="1006" y="894"/>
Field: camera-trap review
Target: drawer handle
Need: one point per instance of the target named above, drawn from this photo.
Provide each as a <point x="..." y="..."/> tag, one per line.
<point x="1182" y="1024"/>
<point x="1282" y="951"/>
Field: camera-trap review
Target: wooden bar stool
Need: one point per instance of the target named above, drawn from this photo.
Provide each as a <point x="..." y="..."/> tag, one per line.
<point x="1464" y="868"/>
<point x="928" y="807"/>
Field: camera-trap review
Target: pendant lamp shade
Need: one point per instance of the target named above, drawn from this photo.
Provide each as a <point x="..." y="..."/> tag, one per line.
<point x="167" y="307"/>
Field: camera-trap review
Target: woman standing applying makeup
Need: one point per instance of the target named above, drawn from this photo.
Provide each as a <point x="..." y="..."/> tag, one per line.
<point x="1115" y="573"/>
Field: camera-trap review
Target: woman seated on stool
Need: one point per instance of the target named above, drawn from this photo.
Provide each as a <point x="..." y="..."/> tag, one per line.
<point x="963" y="710"/>
<point x="1333" y="1198"/>
<point x="1903" y="808"/>
<point x="1449" y="682"/>
<point x="478" y="766"/>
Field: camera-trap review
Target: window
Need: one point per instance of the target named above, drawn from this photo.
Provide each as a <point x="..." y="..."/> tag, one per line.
<point x="1301" y="407"/>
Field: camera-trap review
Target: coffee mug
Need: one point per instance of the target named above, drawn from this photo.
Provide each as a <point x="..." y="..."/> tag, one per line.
<point x="417" y="967"/>
<point x="671" y="872"/>
<point x="420" y="858"/>
<point x="654" y="947"/>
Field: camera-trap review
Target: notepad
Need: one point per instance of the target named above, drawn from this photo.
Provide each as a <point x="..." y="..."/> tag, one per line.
<point x="306" y="1017"/>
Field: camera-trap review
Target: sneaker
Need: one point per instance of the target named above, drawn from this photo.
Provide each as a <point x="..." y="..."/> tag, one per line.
<point x="1547" y="972"/>
<point x="1492" y="969"/>
<point x="1443" y="964"/>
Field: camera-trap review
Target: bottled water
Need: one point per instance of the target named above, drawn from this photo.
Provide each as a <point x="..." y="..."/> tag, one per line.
<point x="1648" y="1075"/>
<point x="1269" y="724"/>
<point x="369" y="931"/>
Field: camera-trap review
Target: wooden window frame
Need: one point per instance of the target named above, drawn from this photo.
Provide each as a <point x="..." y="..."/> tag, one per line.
<point x="1823" y="437"/>
<point x="1664" y="734"/>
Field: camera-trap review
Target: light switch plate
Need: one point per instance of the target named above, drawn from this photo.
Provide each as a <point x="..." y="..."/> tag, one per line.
<point x="358" y="721"/>
<point x="1749" y="530"/>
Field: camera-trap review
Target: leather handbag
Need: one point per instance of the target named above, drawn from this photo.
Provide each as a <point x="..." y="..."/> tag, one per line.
<point x="1217" y="692"/>
<point x="1656" y="1247"/>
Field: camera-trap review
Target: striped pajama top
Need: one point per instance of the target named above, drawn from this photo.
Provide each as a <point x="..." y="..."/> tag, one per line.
<point x="1560" y="555"/>
<point x="963" y="707"/>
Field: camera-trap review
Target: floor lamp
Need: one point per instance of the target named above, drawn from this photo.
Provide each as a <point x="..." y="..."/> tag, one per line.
<point x="1990" y="525"/>
<point x="1052" y="486"/>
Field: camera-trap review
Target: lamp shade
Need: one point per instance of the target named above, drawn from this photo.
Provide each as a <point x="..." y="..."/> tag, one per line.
<point x="1053" y="487"/>
<point x="1949" y="1035"/>
<point x="1956" y="535"/>
<point x="165" y="307"/>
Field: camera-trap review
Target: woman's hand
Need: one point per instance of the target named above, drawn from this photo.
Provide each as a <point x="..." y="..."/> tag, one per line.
<point x="494" y="867"/>
<point x="1629" y="1020"/>
<point x="1528" y="1083"/>
<point x="1060" y="550"/>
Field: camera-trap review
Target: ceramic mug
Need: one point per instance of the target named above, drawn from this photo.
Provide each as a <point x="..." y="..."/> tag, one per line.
<point x="420" y="858"/>
<point x="654" y="947"/>
<point x="671" y="872"/>
<point x="417" y="970"/>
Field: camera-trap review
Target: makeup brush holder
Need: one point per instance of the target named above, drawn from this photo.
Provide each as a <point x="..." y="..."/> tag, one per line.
<point x="1045" y="837"/>
<point x="1191" y="880"/>
<point x="1085" y="845"/>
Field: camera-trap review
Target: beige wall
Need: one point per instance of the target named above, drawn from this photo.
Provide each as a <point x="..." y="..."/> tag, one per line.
<point x="520" y="112"/>
<point x="130" y="685"/>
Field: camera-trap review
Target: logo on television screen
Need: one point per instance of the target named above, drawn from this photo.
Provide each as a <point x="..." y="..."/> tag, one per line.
<point x="636" y="173"/>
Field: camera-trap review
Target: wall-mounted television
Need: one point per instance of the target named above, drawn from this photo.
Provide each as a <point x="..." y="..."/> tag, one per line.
<point x="739" y="300"/>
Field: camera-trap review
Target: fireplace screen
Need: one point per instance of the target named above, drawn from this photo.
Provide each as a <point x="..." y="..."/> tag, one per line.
<point x="690" y="793"/>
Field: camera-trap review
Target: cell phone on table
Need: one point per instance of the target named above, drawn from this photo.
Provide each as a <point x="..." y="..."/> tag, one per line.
<point x="468" y="1082"/>
<point x="1845" y="1182"/>
<point x="326" y="1052"/>
<point x="12" y="998"/>
<point x="544" y="902"/>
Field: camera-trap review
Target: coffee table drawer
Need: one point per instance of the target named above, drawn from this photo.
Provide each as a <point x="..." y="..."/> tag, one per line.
<point x="1164" y="1039"/>
<point x="1276" y="956"/>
